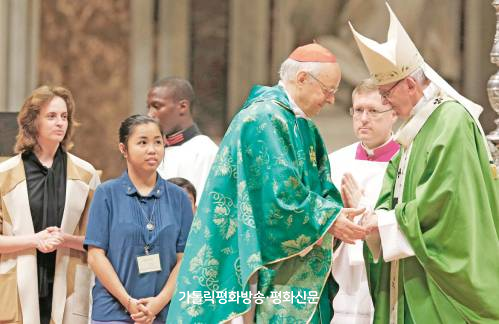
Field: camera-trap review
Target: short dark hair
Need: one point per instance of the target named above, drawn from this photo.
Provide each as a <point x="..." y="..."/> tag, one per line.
<point x="186" y="184"/>
<point x="180" y="88"/>
<point x="128" y="125"/>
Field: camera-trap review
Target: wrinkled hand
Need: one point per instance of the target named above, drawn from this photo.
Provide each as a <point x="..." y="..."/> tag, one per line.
<point x="351" y="193"/>
<point x="370" y="222"/>
<point x="49" y="239"/>
<point x="148" y="308"/>
<point x="345" y="229"/>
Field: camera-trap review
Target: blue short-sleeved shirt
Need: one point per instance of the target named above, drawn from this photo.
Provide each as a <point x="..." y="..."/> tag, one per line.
<point x="117" y="224"/>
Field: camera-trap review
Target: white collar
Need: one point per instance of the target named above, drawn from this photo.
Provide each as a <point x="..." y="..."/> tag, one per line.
<point x="419" y="114"/>
<point x="429" y="93"/>
<point x="370" y="152"/>
<point x="294" y="107"/>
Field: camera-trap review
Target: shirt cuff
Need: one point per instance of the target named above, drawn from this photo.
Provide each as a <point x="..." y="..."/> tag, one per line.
<point x="393" y="242"/>
<point x="97" y="244"/>
<point x="180" y="248"/>
<point x="374" y="245"/>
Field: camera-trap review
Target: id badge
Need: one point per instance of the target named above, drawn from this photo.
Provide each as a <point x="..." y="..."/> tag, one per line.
<point x="149" y="263"/>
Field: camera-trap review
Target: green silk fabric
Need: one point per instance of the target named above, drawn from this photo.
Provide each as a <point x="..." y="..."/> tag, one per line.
<point x="449" y="214"/>
<point x="267" y="199"/>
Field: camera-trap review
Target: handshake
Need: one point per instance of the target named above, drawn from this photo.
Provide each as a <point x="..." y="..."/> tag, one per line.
<point x="49" y="239"/>
<point x="345" y="228"/>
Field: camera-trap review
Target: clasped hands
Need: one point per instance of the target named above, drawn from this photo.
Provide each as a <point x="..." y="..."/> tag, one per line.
<point x="144" y="310"/>
<point x="345" y="227"/>
<point x="49" y="239"/>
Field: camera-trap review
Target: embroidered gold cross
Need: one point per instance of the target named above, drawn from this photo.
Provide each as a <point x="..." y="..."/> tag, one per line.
<point x="438" y="101"/>
<point x="313" y="158"/>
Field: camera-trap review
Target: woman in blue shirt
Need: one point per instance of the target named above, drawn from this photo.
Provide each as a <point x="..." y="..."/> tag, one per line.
<point x="137" y="230"/>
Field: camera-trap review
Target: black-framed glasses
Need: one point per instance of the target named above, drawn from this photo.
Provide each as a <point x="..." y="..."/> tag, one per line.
<point x="371" y="112"/>
<point x="327" y="92"/>
<point x="386" y="94"/>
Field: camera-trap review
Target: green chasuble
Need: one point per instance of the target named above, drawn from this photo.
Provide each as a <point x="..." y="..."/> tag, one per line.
<point x="267" y="199"/>
<point x="450" y="216"/>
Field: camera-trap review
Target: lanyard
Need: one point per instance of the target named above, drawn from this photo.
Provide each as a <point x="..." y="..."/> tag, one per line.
<point x="147" y="233"/>
<point x="150" y="224"/>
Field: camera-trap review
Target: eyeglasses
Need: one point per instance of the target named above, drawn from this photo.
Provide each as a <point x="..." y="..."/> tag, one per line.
<point x="386" y="94"/>
<point x="327" y="92"/>
<point x="371" y="112"/>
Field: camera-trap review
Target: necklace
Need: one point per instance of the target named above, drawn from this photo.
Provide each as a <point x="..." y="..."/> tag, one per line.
<point x="150" y="225"/>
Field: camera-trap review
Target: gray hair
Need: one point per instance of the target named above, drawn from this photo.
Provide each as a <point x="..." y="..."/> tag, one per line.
<point x="419" y="76"/>
<point x="290" y="68"/>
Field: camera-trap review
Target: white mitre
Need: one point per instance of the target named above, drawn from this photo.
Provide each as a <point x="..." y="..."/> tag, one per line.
<point x="398" y="57"/>
<point x="393" y="60"/>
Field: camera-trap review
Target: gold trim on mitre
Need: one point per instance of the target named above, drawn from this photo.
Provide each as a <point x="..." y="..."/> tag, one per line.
<point x="393" y="60"/>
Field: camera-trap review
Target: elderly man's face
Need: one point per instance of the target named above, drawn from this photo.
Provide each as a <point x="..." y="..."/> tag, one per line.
<point x="372" y="120"/>
<point x="318" y="90"/>
<point x="162" y="106"/>
<point x="398" y="96"/>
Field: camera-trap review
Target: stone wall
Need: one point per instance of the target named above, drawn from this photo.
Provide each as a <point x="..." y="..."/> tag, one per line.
<point x="84" y="46"/>
<point x="209" y="21"/>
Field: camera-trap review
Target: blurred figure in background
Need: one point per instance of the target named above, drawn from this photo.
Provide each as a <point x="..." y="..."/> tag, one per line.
<point x="189" y="189"/>
<point x="188" y="153"/>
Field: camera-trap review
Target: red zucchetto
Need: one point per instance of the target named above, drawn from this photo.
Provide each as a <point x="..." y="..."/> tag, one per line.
<point x="313" y="53"/>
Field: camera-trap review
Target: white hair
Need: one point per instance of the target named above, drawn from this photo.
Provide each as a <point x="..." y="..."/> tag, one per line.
<point x="419" y="76"/>
<point x="290" y="69"/>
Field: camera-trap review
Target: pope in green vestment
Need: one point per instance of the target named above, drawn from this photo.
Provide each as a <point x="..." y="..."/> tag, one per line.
<point x="449" y="214"/>
<point x="438" y="212"/>
<point x="268" y="198"/>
